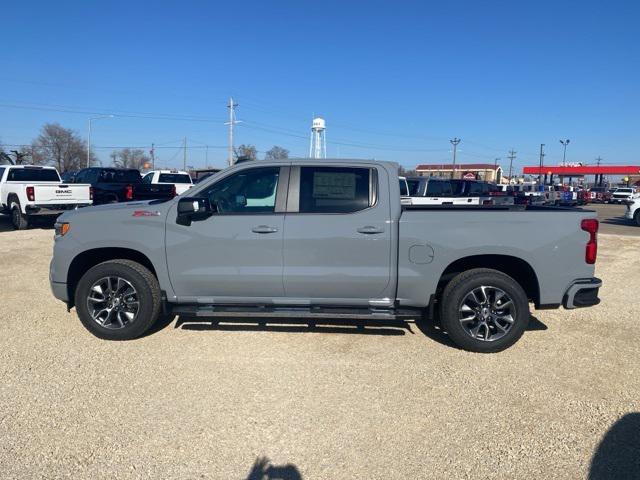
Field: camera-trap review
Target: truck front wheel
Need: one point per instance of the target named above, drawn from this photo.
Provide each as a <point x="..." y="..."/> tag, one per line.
<point x="636" y="217"/>
<point x="20" y="220"/>
<point x="118" y="300"/>
<point x="484" y="310"/>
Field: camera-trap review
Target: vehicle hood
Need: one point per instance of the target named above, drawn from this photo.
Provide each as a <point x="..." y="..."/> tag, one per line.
<point x="111" y="211"/>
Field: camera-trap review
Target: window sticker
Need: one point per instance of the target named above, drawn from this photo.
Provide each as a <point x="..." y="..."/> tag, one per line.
<point x="334" y="185"/>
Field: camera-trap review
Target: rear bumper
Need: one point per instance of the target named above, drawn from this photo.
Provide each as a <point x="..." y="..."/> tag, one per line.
<point x="53" y="209"/>
<point x="582" y="293"/>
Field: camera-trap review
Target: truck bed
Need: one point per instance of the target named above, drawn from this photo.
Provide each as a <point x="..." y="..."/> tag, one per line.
<point x="549" y="240"/>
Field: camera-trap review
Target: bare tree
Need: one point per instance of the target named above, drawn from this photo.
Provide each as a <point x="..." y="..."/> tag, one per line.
<point x="130" y="158"/>
<point x="245" y="152"/>
<point x="276" y="153"/>
<point x="59" y="146"/>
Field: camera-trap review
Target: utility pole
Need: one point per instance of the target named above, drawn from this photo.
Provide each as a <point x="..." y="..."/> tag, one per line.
<point x="206" y="156"/>
<point x="564" y="152"/>
<point x="598" y="160"/>
<point x="495" y="170"/>
<point x="511" y="157"/>
<point x="540" y="186"/>
<point x="455" y="141"/>
<point x="184" y="156"/>
<point x="153" y="156"/>
<point x="232" y="121"/>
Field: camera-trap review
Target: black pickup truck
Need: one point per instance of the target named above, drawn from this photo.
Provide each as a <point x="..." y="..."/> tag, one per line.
<point x="111" y="185"/>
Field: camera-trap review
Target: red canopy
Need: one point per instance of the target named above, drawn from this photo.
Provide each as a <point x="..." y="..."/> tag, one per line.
<point x="585" y="170"/>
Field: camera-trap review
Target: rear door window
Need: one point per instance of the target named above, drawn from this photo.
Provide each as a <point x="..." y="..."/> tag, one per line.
<point x="335" y="189"/>
<point x="119" y="176"/>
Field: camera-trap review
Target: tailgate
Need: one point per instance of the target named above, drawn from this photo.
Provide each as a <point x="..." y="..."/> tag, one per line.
<point x="62" y="193"/>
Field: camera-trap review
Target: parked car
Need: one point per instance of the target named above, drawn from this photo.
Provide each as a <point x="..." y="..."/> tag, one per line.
<point x="600" y="195"/>
<point x="523" y="194"/>
<point x="112" y="185"/>
<point x="489" y="192"/>
<point x="584" y="196"/>
<point x="405" y="199"/>
<point x="621" y="195"/>
<point x="633" y="210"/>
<point x="68" y="176"/>
<point x="28" y="192"/>
<point x="181" y="180"/>
<point x="439" y="191"/>
<point x="349" y="250"/>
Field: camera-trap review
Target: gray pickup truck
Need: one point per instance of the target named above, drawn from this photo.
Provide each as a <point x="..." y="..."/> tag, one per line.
<point x="322" y="239"/>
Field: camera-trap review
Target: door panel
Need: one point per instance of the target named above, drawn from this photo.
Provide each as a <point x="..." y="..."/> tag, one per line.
<point x="238" y="251"/>
<point x="337" y="255"/>
<point x="223" y="256"/>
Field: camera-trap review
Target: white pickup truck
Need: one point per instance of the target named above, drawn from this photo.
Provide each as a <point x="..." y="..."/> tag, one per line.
<point x="633" y="210"/>
<point x="29" y="191"/>
<point x="182" y="180"/>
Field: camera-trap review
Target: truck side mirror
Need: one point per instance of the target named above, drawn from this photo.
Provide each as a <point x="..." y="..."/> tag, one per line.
<point x="194" y="209"/>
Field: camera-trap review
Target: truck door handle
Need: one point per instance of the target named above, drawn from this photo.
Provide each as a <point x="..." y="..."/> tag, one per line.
<point x="370" y="229"/>
<point x="264" y="229"/>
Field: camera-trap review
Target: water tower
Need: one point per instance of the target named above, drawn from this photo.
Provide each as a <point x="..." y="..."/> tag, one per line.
<point x="318" y="145"/>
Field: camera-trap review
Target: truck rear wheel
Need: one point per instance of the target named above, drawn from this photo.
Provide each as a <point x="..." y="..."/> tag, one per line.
<point x="484" y="310"/>
<point x="636" y="217"/>
<point x="118" y="300"/>
<point x="20" y="220"/>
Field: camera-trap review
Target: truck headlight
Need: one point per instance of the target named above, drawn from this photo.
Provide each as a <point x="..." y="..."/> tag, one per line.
<point x="61" y="228"/>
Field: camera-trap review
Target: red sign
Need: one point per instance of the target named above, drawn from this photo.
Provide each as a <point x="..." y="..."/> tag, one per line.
<point x="469" y="176"/>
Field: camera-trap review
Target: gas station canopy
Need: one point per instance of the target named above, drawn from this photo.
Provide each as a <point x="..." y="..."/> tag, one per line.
<point x="575" y="171"/>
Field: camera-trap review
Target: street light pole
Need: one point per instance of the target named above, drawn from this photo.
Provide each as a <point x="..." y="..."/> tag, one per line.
<point x="91" y="119"/>
<point x="455" y="141"/>
<point x="564" y="152"/>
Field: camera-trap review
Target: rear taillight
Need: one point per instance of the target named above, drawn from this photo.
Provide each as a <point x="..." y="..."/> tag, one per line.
<point x="31" y="194"/>
<point x="128" y="192"/>
<point x="173" y="190"/>
<point x="90" y="193"/>
<point x="590" y="225"/>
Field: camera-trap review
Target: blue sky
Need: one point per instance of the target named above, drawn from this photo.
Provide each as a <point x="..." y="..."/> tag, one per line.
<point x="394" y="80"/>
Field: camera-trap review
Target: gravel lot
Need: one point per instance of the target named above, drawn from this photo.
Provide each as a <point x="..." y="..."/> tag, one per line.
<point x="194" y="400"/>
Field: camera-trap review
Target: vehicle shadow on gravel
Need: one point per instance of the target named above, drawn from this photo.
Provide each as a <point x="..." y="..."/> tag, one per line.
<point x="618" y="453"/>
<point x="7" y="226"/>
<point x="292" y="325"/>
<point x="263" y="469"/>
<point x="432" y="329"/>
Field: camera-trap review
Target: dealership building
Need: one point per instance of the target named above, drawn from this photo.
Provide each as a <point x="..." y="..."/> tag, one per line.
<point x="471" y="171"/>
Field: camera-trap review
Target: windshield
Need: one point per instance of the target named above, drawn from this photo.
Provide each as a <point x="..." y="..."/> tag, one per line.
<point x="119" y="176"/>
<point x="33" y="175"/>
<point x="174" y="178"/>
<point x="624" y="190"/>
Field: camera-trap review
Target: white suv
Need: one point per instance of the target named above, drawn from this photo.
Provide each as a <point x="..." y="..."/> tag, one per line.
<point x="633" y="210"/>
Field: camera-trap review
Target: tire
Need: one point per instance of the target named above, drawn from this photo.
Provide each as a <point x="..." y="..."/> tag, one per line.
<point x="493" y="330"/>
<point x="636" y="217"/>
<point x="117" y="323"/>
<point x="20" y="220"/>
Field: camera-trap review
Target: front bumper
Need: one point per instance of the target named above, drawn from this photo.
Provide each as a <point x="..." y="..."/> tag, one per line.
<point x="60" y="291"/>
<point x="582" y="293"/>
